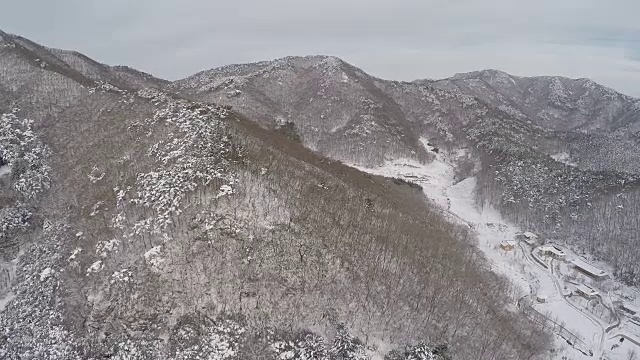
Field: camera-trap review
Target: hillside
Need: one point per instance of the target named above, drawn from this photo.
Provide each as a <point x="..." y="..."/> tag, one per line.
<point x="337" y="109"/>
<point x="553" y="102"/>
<point x="138" y="224"/>
<point x="544" y="149"/>
<point x="43" y="81"/>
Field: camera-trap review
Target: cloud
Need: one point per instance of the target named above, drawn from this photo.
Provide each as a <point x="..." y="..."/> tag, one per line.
<point x="393" y="39"/>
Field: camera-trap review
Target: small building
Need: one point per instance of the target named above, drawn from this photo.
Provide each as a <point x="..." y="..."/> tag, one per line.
<point x="542" y="298"/>
<point x="628" y="309"/>
<point x="508" y="245"/>
<point x="530" y="238"/>
<point x="586" y="291"/>
<point x="553" y="251"/>
<point x="589" y="269"/>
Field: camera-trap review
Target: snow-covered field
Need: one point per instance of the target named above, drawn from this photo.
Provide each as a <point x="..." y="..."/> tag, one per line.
<point x="617" y="350"/>
<point x="431" y="176"/>
<point x="531" y="278"/>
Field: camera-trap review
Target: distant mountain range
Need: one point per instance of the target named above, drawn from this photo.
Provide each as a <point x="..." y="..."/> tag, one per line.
<point x="552" y="102"/>
<point x="213" y="217"/>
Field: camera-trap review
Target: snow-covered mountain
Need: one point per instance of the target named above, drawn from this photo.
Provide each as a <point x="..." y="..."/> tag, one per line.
<point x="553" y="154"/>
<point x="337" y="109"/>
<point x="42" y="80"/>
<point x="137" y="223"/>
<point x="554" y="102"/>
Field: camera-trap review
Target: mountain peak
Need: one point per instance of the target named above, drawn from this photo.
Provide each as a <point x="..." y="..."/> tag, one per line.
<point x="487" y="74"/>
<point x="239" y="73"/>
<point x="480" y="73"/>
<point x="328" y="59"/>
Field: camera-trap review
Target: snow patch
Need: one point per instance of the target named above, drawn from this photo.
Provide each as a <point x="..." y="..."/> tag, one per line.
<point x="45" y="274"/>
<point x="105" y="247"/>
<point x="224" y="191"/>
<point x="558" y="94"/>
<point x="75" y="253"/>
<point x="123" y="275"/>
<point x="4" y="301"/>
<point x="95" y="267"/>
<point x="433" y="177"/>
<point x="4" y="170"/>
<point x="564" y="158"/>
<point x="427" y="145"/>
<point x="18" y="140"/>
<point x="153" y="258"/>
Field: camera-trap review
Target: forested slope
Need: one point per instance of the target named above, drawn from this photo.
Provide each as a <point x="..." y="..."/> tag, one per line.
<point x="554" y="155"/>
<point x="139" y="225"/>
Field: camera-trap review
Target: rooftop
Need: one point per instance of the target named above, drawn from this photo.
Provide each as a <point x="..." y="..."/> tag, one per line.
<point x="629" y="308"/>
<point x="586" y="267"/>
<point x="552" y="249"/>
<point x="586" y="289"/>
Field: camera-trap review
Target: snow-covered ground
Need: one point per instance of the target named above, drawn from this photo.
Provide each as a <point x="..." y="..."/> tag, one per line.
<point x="431" y="176"/>
<point x="5" y="299"/>
<point x="4" y="170"/>
<point x="631" y="328"/>
<point x="564" y="158"/>
<point x="617" y="350"/>
<point x="530" y="277"/>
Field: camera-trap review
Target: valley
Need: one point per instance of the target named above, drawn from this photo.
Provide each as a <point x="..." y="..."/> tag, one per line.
<point x="581" y="333"/>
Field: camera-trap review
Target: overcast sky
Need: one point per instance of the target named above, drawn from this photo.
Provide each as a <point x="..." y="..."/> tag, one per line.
<point x="393" y="39"/>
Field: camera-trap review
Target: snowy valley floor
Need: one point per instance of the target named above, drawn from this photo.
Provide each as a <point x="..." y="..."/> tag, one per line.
<point x="590" y="328"/>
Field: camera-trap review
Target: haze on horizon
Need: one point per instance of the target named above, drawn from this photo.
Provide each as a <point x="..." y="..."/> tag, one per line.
<point x="404" y="40"/>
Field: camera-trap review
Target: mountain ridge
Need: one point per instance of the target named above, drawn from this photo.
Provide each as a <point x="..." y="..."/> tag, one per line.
<point x="141" y="224"/>
<point x="567" y="131"/>
<point x="571" y="101"/>
<point x="335" y="59"/>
